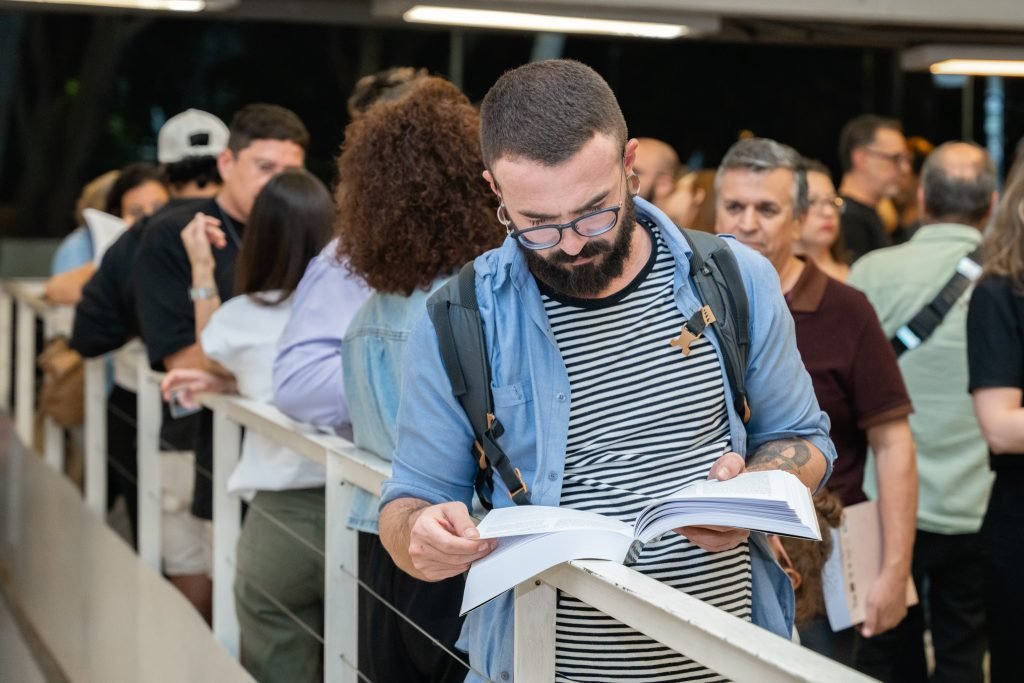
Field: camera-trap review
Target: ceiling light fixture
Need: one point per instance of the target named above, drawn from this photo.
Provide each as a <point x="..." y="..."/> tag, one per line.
<point x="165" y="5"/>
<point x="548" y="23"/>
<point x="965" y="60"/>
<point x="978" y="67"/>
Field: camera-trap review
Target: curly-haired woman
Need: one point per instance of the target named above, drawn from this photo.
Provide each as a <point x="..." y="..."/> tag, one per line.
<point x="995" y="352"/>
<point x="412" y="208"/>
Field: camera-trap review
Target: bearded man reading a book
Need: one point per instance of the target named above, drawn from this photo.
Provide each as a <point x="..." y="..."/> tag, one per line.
<point x="606" y="399"/>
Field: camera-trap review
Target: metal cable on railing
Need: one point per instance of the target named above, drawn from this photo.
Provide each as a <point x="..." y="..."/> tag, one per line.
<point x="254" y="508"/>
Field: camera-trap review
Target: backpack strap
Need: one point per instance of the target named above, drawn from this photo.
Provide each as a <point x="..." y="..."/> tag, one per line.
<point x="928" y="319"/>
<point x="716" y="276"/>
<point x="454" y="311"/>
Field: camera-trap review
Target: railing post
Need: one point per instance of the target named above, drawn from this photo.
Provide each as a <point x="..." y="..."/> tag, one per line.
<point x="53" y="445"/>
<point x="96" y="435"/>
<point x="227" y="517"/>
<point x="25" y="367"/>
<point x="6" y="347"/>
<point x="341" y="592"/>
<point x="534" y="631"/>
<point x="56" y="321"/>
<point x="147" y="452"/>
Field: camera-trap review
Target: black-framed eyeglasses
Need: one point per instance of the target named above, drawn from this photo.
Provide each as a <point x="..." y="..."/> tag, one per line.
<point x="546" y="236"/>
<point x="830" y="202"/>
<point x="897" y="158"/>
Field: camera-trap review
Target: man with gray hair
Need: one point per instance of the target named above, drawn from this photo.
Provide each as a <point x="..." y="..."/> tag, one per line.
<point x="920" y="290"/>
<point x="579" y="307"/>
<point x="763" y="199"/>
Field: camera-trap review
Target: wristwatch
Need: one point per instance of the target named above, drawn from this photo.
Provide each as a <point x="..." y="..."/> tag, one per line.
<point x="197" y="293"/>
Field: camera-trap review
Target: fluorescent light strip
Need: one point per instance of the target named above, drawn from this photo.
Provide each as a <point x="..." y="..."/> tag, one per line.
<point x="454" y="16"/>
<point x="172" y="5"/>
<point x="979" y="67"/>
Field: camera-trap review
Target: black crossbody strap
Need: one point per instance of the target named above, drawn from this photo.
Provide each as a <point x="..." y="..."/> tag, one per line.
<point x="928" y="319"/>
<point x="455" y="314"/>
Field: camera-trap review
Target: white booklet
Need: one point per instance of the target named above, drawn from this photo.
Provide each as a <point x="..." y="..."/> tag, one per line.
<point x="853" y="566"/>
<point x="532" y="538"/>
<point x="105" y="229"/>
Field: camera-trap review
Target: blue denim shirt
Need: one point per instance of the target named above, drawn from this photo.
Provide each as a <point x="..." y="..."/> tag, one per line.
<point x="371" y="358"/>
<point x="432" y="460"/>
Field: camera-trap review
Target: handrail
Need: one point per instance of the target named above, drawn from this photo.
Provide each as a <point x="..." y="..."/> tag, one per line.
<point x="716" y="639"/>
<point x="26" y="295"/>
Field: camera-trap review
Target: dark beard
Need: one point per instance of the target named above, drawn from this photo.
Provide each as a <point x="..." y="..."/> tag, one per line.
<point x="590" y="279"/>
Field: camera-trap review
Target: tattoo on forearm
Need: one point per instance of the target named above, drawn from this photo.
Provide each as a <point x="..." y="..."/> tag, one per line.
<point x="788" y="455"/>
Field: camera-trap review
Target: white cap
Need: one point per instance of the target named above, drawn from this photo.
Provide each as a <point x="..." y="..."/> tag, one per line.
<point x="192" y="133"/>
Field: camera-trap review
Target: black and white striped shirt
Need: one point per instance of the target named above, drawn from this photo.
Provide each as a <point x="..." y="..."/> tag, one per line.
<point x="645" y="421"/>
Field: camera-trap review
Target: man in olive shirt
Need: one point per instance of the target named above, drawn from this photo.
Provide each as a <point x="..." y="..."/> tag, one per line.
<point x="957" y="195"/>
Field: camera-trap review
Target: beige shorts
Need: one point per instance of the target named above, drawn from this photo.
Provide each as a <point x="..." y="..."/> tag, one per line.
<point x="186" y="541"/>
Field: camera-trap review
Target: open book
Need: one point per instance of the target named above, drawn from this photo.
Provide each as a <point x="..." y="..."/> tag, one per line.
<point x="533" y="538"/>
<point x="853" y="566"/>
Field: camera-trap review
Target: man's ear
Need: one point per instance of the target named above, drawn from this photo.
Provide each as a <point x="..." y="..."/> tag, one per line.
<point x="857" y="158"/>
<point x="225" y="163"/>
<point x="664" y="186"/>
<point x="629" y="155"/>
<point x="490" y="181"/>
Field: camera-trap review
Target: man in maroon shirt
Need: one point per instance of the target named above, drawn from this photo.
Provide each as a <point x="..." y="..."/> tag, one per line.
<point x="762" y="198"/>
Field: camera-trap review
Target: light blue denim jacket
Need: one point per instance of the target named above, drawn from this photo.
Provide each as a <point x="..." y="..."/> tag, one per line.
<point x="432" y="461"/>
<point x="371" y="358"/>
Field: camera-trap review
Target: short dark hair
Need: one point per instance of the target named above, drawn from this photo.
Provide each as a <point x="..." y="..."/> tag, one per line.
<point x="290" y="223"/>
<point x="957" y="199"/>
<point x="860" y="132"/>
<point x="763" y="155"/>
<point x="383" y="86"/>
<point x="201" y="170"/>
<point x="132" y="176"/>
<point x="266" y="122"/>
<point x="546" y="112"/>
<point x="412" y="205"/>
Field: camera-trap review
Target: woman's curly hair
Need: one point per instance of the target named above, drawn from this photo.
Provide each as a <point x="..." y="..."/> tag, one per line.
<point x="809" y="557"/>
<point x="412" y="204"/>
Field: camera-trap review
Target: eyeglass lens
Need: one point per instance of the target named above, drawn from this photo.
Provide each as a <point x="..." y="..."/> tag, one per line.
<point x="591" y="225"/>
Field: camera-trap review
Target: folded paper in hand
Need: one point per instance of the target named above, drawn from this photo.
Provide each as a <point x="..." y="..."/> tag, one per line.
<point x="853" y="566"/>
<point x="532" y="538"/>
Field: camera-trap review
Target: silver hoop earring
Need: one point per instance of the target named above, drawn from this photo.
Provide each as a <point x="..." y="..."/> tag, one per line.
<point x="503" y="217"/>
<point x="633" y="191"/>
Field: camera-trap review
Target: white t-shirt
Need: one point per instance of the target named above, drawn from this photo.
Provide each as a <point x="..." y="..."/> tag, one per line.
<point x="242" y="336"/>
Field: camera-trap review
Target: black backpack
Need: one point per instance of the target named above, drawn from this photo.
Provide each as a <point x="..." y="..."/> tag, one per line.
<point x="455" y="314"/>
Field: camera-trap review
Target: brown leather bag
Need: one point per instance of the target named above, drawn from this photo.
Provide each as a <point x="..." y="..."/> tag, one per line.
<point x="62" y="397"/>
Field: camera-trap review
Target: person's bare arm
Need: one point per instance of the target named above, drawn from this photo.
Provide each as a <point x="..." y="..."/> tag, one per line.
<point x="66" y="288"/>
<point x="431" y="542"/>
<point x="796" y="456"/>
<point x="896" y="472"/>
<point x="1001" y="418"/>
<point x="192" y="356"/>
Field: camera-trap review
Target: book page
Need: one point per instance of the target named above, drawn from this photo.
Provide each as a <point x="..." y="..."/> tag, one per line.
<point x="540" y="519"/>
<point x="518" y="558"/>
<point x="770" y="501"/>
<point x="765" y="484"/>
<point x="104" y="229"/>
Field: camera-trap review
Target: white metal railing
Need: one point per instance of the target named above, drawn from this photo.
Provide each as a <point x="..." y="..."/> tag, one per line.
<point x="734" y="648"/>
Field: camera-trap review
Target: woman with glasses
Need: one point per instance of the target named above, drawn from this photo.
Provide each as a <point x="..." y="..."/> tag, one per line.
<point x="819" y="238"/>
<point x="412" y="208"/>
